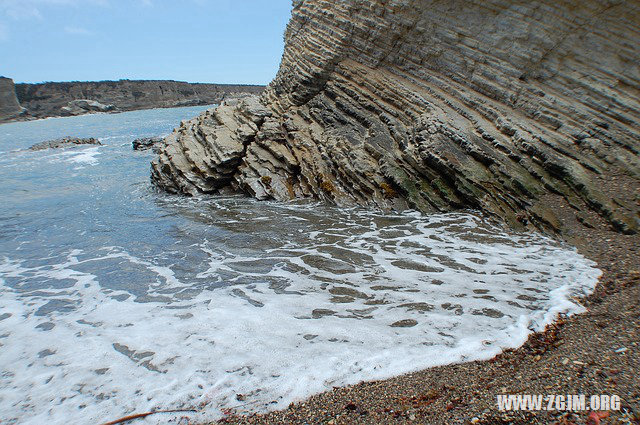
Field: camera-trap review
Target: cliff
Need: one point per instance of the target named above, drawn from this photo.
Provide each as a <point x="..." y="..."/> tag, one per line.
<point x="75" y="98"/>
<point x="510" y="107"/>
<point x="9" y="106"/>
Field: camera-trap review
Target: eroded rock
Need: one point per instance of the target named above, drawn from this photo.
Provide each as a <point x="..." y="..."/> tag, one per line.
<point x="9" y="106"/>
<point x="85" y="106"/>
<point x="64" y="142"/>
<point x="434" y="105"/>
<point x="145" y="143"/>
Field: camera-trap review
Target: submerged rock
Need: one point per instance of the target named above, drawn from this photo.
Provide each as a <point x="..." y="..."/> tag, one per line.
<point x="493" y="106"/>
<point x="145" y="143"/>
<point x="63" y="143"/>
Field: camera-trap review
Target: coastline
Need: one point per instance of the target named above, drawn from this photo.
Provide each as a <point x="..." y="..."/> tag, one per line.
<point x="576" y="355"/>
<point x="30" y="119"/>
<point x="31" y="101"/>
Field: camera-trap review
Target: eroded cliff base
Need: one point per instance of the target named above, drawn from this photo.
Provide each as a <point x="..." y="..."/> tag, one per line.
<point x="436" y="106"/>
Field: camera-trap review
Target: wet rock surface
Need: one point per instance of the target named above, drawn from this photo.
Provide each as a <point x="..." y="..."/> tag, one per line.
<point x="146" y="143"/>
<point x="64" y="142"/>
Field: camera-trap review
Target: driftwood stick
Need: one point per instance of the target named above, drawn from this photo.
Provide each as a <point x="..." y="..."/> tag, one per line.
<point x="144" y="415"/>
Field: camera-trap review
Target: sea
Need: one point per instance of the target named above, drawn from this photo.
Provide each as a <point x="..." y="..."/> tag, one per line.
<point x="117" y="298"/>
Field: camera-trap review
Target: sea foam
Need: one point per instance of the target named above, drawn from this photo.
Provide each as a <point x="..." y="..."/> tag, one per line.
<point x="216" y="323"/>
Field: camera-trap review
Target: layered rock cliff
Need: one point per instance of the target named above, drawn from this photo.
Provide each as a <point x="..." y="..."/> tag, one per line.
<point x="9" y="106"/>
<point x="75" y="98"/>
<point x="436" y="105"/>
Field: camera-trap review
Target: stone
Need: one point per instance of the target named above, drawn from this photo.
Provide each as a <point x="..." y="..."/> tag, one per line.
<point x="64" y="142"/>
<point x="405" y="323"/>
<point x="145" y="143"/>
<point x="434" y="106"/>
<point x="85" y="106"/>
<point x="9" y="106"/>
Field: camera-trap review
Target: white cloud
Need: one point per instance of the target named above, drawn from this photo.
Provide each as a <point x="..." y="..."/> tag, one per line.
<point x="19" y="10"/>
<point x="77" y="31"/>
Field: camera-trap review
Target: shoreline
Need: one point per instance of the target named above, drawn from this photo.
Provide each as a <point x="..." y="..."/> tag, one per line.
<point x="574" y="355"/>
<point x="30" y="119"/>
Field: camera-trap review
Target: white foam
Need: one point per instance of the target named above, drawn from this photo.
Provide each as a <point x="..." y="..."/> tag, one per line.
<point x="85" y="156"/>
<point x="259" y="324"/>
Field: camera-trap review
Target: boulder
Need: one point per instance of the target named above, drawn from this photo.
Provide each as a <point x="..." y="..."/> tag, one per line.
<point x="144" y="143"/>
<point x="84" y="106"/>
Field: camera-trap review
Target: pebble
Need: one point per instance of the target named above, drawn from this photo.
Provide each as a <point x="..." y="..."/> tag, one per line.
<point x="565" y="361"/>
<point x="621" y="350"/>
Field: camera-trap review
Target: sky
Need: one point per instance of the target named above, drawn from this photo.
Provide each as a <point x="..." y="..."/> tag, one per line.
<point x="209" y="41"/>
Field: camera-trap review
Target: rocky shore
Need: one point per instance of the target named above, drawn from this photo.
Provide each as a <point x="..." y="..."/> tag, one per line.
<point x="33" y="101"/>
<point x="435" y="106"/>
<point x="526" y="111"/>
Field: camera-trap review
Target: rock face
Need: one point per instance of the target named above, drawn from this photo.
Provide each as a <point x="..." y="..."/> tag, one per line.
<point x="436" y="105"/>
<point x="63" y="143"/>
<point x="9" y="106"/>
<point x="75" y="98"/>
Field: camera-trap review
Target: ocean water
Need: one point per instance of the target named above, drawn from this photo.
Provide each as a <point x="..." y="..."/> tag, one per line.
<point x="117" y="299"/>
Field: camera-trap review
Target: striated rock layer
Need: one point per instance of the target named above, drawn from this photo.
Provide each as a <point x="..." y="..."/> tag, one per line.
<point x="76" y="98"/>
<point x="9" y="106"/>
<point x="436" y="105"/>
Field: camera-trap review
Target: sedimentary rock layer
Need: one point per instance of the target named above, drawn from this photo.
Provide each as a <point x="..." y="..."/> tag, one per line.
<point x="75" y="98"/>
<point x="435" y="105"/>
<point x="9" y="106"/>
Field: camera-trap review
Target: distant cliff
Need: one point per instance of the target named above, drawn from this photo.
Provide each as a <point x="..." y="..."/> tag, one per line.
<point x="497" y="105"/>
<point x="75" y="98"/>
<point x="9" y="106"/>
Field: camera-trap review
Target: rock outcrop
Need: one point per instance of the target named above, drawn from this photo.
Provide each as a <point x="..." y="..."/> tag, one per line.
<point x="9" y="106"/>
<point x="85" y="106"/>
<point x="75" y="98"/>
<point x="64" y="142"/>
<point x="436" y="105"/>
<point x="146" y="143"/>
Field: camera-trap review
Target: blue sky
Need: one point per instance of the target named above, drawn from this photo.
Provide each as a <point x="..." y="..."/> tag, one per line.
<point x="214" y="41"/>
